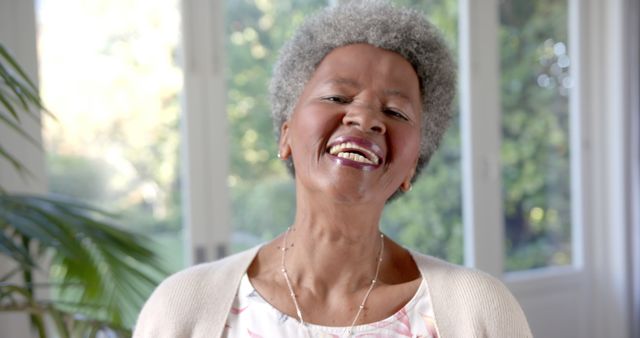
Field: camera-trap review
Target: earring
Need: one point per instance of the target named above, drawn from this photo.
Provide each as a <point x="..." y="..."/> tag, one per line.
<point x="405" y="189"/>
<point x="279" y="156"/>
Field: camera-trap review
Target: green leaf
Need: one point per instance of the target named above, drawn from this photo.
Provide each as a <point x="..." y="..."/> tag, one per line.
<point x="13" y="101"/>
<point x="4" y="53"/>
<point x="5" y="102"/>
<point x="9" y="248"/>
<point x="100" y="263"/>
<point x="80" y="327"/>
<point x="14" y="87"/>
<point x="18" y="129"/>
<point x="17" y="165"/>
<point x="94" y="332"/>
<point x="58" y="320"/>
<point x="26" y="94"/>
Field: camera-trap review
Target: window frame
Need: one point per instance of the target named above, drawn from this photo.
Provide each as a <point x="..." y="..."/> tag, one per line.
<point x="481" y="179"/>
<point x="204" y="136"/>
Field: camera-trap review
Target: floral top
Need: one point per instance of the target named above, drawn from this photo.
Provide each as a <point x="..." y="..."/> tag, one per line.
<point x="252" y="316"/>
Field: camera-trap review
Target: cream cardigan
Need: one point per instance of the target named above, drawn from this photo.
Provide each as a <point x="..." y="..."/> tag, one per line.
<point x="195" y="302"/>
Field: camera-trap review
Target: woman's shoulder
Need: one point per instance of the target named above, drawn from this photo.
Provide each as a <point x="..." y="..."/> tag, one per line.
<point x="470" y="299"/>
<point x="182" y="297"/>
<point x="206" y="276"/>
<point x="441" y="270"/>
<point x="211" y="271"/>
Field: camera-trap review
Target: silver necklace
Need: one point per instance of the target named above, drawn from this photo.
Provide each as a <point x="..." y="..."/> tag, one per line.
<point x="283" y="269"/>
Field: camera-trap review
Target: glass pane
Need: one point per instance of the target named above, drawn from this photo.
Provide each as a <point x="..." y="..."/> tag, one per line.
<point x="535" y="129"/>
<point x="428" y="219"/>
<point x="109" y="71"/>
<point x="255" y="32"/>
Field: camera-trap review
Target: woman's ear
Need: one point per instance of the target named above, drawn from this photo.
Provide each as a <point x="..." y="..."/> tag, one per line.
<point x="284" y="148"/>
<point x="406" y="183"/>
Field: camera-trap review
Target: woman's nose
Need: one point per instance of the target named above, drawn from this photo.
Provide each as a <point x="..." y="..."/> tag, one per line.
<point x="365" y="117"/>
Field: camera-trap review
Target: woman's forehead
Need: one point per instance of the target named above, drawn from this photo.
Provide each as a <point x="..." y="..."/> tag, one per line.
<point x="358" y="65"/>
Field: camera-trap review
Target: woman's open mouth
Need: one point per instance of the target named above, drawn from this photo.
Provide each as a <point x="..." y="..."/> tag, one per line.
<point x="356" y="152"/>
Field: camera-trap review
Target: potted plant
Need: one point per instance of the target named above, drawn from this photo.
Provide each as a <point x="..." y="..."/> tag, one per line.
<point x="102" y="271"/>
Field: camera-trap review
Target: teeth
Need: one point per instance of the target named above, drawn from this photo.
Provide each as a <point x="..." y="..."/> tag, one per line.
<point x="354" y="157"/>
<point x="338" y="151"/>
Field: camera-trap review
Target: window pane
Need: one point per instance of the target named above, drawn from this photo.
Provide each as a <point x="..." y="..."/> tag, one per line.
<point x="109" y="72"/>
<point x="262" y="192"/>
<point x="428" y="219"/>
<point x="535" y="127"/>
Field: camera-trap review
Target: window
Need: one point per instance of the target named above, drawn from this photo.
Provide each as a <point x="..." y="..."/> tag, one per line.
<point x="255" y="32"/>
<point x="535" y="87"/>
<point x="109" y="71"/>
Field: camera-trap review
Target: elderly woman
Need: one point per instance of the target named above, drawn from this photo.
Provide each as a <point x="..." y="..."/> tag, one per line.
<point x="361" y="98"/>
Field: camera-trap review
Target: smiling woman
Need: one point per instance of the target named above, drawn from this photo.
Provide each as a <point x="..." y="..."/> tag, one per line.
<point x="360" y="98"/>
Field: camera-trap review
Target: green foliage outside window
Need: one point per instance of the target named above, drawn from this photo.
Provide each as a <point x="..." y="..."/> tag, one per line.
<point x="535" y="127"/>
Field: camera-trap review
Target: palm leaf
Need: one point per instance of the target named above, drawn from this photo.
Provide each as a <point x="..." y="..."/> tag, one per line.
<point x="101" y="263"/>
<point x="18" y="129"/>
<point x="9" y="106"/>
<point x="17" y="165"/>
<point x="19" y="254"/>
<point x="6" y="56"/>
<point x="67" y="324"/>
<point x="19" y="82"/>
<point x="17" y="93"/>
<point x="59" y="321"/>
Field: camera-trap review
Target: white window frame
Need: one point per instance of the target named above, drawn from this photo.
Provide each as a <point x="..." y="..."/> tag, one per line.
<point x="480" y="131"/>
<point x="633" y="67"/>
<point x="207" y="206"/>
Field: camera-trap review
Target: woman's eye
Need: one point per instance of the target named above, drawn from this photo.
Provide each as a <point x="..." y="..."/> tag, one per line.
<point x="337" y="99"/>
<point x="396" y="114"/>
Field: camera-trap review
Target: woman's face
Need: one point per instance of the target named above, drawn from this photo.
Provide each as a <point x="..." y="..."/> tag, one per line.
<point x="356" y="128"/>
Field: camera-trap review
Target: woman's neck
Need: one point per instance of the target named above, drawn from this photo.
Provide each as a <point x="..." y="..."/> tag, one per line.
<point x="334" y="246"/>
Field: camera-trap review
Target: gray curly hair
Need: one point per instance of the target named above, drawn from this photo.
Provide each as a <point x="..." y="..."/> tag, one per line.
<point x="400" y="30"/>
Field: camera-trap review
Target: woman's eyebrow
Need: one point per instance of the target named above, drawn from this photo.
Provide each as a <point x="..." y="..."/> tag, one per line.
<point x="342" y="81"/>
<point x="397" y="92"/>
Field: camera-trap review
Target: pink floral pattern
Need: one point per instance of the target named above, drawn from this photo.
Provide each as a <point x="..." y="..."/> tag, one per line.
<point x="252" y="316"/>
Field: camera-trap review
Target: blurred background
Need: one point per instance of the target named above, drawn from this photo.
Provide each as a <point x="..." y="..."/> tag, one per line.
<point x="162" y="117"/>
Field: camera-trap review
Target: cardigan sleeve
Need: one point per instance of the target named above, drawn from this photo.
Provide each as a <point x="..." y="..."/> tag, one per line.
<point x="194" y="302"/>
<point x="496" y="310"/>
<point x="171" y="309"/>
<point x="471" y="303"/>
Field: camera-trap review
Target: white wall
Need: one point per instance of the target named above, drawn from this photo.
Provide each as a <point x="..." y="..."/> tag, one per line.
<point x="18" y="33"/>
<point x="633" y="62"/>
